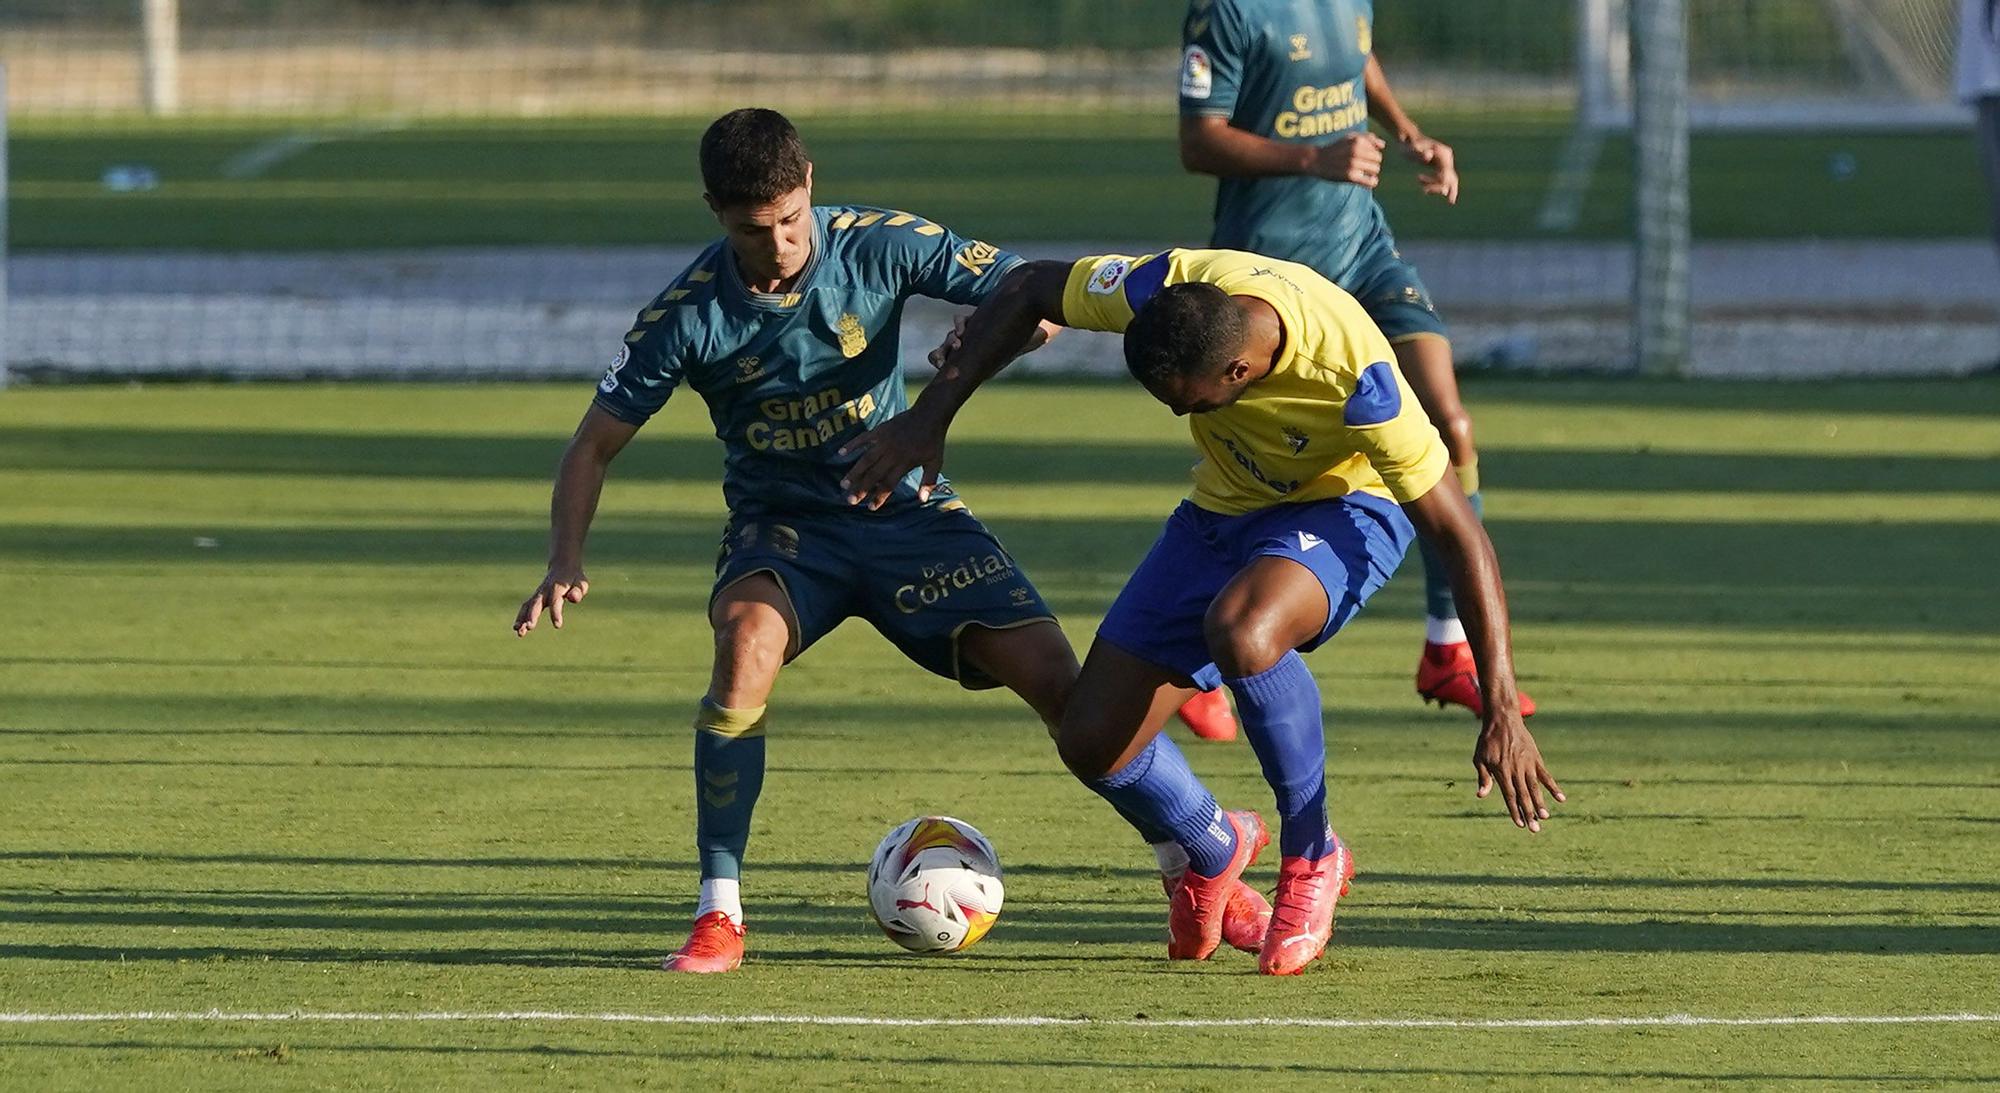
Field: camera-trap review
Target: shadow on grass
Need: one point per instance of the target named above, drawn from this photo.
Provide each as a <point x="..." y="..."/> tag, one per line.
<point x="1977" y="396"/>
<point x="975" y="461"/>
<point x="443" y="928"/>
<point x="780" y="868"/>
<point x="1817" y="576"/>
<point x="304" y="1044"/>
<point x="441" y="943"/>
<point x="1324" y="667"/>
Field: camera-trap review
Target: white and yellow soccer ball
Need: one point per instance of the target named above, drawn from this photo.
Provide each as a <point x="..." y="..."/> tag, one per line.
<point x="934" y="885"/>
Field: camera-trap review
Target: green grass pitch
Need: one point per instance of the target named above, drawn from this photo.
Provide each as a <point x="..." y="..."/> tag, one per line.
<point x="1006" y="177"/>
<point x="267" y="745"/>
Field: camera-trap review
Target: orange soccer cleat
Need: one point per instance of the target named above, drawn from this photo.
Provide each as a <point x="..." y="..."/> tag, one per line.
<point x="1200" y="905"/>
<point x="1208" y="715"/>
<point x="1302" y="922"/>
<point x="1447" y="674"/>
<point x="715" y="945"/>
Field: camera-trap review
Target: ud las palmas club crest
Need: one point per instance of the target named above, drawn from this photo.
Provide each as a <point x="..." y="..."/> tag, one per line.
<point x="853" y="336"/>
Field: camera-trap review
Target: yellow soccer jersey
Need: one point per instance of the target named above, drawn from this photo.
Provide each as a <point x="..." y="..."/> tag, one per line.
<point x="1334" y="415"/>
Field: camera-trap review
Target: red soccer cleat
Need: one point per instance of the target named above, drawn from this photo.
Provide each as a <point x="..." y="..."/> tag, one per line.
<point x="1247" y="919"/>
<point x="1302" y="924"/>
<point x="1208" y="715"/>
<point x="715" y="945"/>
<point x="1200" y="905"/>
<point x="1447" y="674"/>
<point x="1244" y="922"/>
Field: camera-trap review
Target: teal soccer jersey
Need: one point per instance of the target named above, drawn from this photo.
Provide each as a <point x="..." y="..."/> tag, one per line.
<point x="1294" y="71"/>
<point x="790" y="378"/>
<point x="1289" y="70"/>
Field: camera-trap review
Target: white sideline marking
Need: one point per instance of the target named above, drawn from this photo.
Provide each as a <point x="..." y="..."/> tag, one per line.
<point x="254" y="161"/>
<point x="1673" y="1020"/>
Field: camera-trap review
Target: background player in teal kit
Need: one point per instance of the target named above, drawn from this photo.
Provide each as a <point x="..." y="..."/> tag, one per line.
<point x="789" y="329"/>
<point x="1275" y="100"/>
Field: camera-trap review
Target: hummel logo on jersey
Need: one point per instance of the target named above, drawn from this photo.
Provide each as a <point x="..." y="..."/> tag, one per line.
<point x="1296" y="439"/>
<point x="1307" y="540"/>
<point x="1301" y="48"/>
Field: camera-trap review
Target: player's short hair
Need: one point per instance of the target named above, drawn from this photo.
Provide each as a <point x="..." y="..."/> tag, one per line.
<point x="752" y="156"/>
<point x="1185" y="331"/>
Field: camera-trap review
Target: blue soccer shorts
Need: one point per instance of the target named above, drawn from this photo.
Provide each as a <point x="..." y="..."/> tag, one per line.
<point x="1352" y="544"/>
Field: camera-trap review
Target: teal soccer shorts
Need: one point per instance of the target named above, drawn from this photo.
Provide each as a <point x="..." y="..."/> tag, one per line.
<point x="1390" y="291"/>
<point x="920" y="575"/>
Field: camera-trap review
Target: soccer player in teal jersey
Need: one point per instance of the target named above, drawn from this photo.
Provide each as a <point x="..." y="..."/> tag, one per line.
<point x="1275" y="100"/>
<point x="788" y="328"/>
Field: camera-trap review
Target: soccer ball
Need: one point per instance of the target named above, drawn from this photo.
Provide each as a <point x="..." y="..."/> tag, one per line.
<point x="934" y="885"/>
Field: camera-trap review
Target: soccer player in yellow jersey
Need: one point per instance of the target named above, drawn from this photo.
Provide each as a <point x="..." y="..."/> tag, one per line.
<point x="1318" y="469"/>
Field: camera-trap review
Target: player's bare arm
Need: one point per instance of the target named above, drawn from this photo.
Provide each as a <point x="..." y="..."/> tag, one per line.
<point x="1001" y="329"/>
<point x="1442" y="178"/>
<point x="1506" y="754"/>
<point x="1212" y="146"/>
<point x="579" y="481"/>
<point x="1045" y="332"/>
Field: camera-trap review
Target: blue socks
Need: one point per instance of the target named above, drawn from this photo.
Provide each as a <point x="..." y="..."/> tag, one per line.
<point x="728" y="776"/>
<point x="1158" y="793"/>
<point x="1281" y="716"/>
<point x="1438" y="602"/>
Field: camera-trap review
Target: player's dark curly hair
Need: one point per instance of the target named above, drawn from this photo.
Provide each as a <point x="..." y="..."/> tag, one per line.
<point x="751" y="157"/>
<point x="1185" y="331"/>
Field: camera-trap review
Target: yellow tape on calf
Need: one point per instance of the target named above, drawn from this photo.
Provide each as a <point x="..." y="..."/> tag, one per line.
<point x="1468" y="477"/>
<point x="734" y="724"/>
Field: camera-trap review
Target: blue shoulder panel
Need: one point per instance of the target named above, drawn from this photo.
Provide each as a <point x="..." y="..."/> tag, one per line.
<point x="1376" y="397"/>
<point x="1144" y="280"/>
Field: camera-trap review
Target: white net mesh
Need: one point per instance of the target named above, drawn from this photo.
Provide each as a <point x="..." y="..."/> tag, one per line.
<point x="465" y="188"/>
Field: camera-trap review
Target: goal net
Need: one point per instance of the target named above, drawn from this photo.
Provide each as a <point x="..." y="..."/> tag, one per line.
<point x="491" y="187"/>
<point x="1792" y="65"/>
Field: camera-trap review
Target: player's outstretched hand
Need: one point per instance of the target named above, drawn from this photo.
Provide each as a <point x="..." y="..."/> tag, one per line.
<point x="1506" y="755"/>
<point x="887" y="452"/>
<point x="940" y="357"/>
<point x="565" y="584"/>
<point x="1356" y="158"/>
<point x="1442" y="179"/>
<point x="949" y="345"/>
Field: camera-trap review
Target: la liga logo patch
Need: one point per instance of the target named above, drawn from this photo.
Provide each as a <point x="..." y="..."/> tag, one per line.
<point x="610" y="381"/>
<point x="1109" y="276"/>
<point x="1197" y="75"/>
